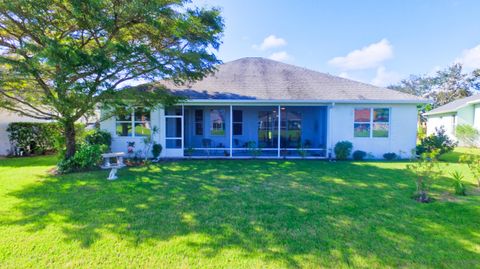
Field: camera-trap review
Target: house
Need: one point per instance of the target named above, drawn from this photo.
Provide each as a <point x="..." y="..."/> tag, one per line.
<point x="6" y="117"/>
<point x="458" y="112"/>
<point x="259" y="107"/>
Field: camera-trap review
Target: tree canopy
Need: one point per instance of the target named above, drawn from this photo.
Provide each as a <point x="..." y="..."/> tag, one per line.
<point x="60" y="58"/>
<point x="444" y="86"/>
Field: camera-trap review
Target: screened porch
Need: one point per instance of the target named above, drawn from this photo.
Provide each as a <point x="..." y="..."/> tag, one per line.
<point x="248" y="131"/>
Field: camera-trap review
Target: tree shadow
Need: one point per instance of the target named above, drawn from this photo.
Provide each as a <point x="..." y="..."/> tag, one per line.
<point x="292" y="212"/>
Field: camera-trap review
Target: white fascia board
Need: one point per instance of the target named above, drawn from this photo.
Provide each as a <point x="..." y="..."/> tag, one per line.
<point x="298" y="102"/>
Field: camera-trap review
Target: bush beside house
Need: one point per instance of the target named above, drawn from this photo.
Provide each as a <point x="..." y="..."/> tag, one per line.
<point x="343" y="149"/>
<point x="29" y="138"/>
<point x="89" y="153"/>
<point x="439" y="141"/>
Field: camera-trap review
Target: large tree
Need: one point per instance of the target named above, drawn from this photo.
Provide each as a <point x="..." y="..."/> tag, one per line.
<point x="60" y="58"/>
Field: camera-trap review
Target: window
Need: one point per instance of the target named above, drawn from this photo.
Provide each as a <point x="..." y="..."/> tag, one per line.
<point x="134" y="124"/>
<point x="198" y="122"/>
<point x="217" y="120"/>
<point x="371" y="122"/>
<point x="237" y="122"/>
<point x="381" y="118"/>
<point x="362" y="122"/>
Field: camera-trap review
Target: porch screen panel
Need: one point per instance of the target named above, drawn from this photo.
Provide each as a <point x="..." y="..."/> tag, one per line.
<point x="173" y="132"/>
<point x="267" y="129"/>
<point x="303" y="131"/>
<point x="291" y="128"/>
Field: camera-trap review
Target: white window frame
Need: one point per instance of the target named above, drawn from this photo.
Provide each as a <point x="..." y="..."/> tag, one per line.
<point x="132" y="122"/>
<point x="371" y="122"/>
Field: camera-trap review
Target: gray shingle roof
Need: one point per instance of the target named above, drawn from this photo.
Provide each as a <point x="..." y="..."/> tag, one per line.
<point x="455" y="105"/>
<point x="262" y="79"/>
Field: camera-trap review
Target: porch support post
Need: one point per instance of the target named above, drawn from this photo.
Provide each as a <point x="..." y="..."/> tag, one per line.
<point x="231" y="131"/>
<point x="183" y="131"/>
<point x="278" y="133"/>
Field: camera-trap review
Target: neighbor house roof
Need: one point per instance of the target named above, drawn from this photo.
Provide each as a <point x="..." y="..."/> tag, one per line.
<point x="256" y="78"/>
<point x="455" y="105"/>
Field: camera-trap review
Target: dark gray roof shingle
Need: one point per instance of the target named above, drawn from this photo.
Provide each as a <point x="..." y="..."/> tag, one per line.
<point x="454" y="106"/>
<point x="262" y="79"/>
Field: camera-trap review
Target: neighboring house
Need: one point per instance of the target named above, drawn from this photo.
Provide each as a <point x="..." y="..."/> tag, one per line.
<point x="259" y="107"/>
<point x="7" y="117"/>
<point x="449" y="116"/>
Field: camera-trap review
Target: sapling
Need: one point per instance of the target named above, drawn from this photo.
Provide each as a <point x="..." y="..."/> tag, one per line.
<point x="426" y="170"/>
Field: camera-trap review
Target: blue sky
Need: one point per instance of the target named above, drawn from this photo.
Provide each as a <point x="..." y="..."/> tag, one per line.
<point x="376" y="42"/>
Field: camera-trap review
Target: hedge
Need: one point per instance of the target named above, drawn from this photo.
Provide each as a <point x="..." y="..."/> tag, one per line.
<point x="33" y="137"/>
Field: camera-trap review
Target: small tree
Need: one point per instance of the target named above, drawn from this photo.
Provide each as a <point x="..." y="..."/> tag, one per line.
<point x="426" y="170"/>
<point x="473" y="163"/>
<point x="148" y="142"/>
<point x="467" y="134"/>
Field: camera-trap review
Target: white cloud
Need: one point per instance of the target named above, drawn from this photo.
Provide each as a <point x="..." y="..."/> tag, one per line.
<point x="385" y="78"/>
<point x="271" y="41"/>
<point x="367" y="57"/>
<point x="281" y="56"/>
<point x="470" y="57"/>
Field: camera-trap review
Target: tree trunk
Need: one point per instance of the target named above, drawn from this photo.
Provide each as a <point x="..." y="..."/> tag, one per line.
<point x="70" y="139"/>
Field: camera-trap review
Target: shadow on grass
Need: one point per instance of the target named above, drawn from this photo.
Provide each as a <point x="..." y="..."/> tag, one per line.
<point x="287" y="211"/>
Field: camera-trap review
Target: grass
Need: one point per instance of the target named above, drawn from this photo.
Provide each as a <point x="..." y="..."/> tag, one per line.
<point x="234" y="214"/>
<point x="455" y="155"/>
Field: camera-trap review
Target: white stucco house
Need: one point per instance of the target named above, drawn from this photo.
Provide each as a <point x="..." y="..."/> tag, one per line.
<point x="458" y="112"/>
<point x="273" y="109"/>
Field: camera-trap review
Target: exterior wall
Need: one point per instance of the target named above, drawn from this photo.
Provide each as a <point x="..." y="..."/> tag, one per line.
<point x="6" y="118"/>
<point x="119" y="143"/>
<point x="466" y="115"/>
<point x="192" y="140"/>
<point x="476" y="116"/>
<point x="339" y="118"/>
<point x="402" y="134"/>
<point x="447" y="121"/>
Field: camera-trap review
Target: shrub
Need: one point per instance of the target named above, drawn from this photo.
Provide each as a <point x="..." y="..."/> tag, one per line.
<point x="87" y="157"/>
<point x="156" y="150"/>
<point x="359" y="155"/>
<point x="343" y="149"/>
<point x="253" y="149"/>
<point x="426" y="170"/>
<point x="98" y="137"/>
<point x="439" y="142"/>
<point x="33" y="137"/>
<point x="458" y="184"/>
<point x="467" y="134"/>
<point x="390" y="156"/>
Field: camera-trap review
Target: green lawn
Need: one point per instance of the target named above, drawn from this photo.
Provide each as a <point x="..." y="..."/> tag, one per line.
<point x="455" y="155"/>
<point x="234" y="214"/>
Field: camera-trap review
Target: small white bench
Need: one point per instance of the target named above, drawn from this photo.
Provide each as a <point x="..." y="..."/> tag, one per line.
<point x="114" y="166"/>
